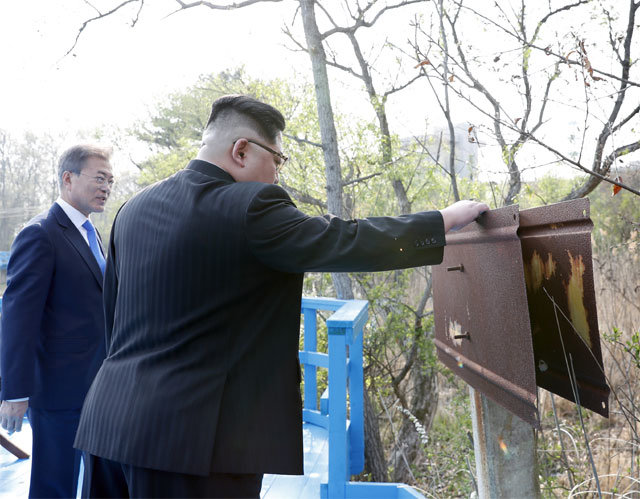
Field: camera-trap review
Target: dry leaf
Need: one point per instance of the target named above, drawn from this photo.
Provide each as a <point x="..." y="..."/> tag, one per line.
<point x="451" y="78"/>
<point x="617" y="188"/>
<point x="471" y="137"/>
<point x="581" y="44"/>
<point x="589" y="68"/>
<point x="517" y="119"/>
<point x="423" y="63"/>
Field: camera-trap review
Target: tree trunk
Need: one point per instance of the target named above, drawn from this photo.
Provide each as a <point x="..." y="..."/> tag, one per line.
<point x="374" y="461"/>
<point x="424" y="402"/>
<point x="341" y="282"/>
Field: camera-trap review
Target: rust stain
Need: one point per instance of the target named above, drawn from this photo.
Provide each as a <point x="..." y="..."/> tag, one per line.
<point x="575" y="298"/>
<point x="503" y="446"/>
<point x="454" y="329"/>
<point x="550" y="267"/>
<point x="538" y="270"/>
<point x="533" y="272"/>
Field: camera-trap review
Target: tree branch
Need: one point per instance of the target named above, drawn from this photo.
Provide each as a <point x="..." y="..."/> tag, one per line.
<point x="393" y="90"/>
<point x="361" y="179"/>
<point x="96" y="18"/>
<point x="563" y="58"/>
<point x="626" y="120"/>
<point x="304" y="197"/>
<point x="361" y="23"/>
<point x="620" y="151"/>
<point x="300" y="140"/>
<point x="233" y="6"/>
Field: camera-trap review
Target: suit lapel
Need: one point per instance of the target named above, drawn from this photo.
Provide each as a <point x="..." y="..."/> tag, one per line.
<point x="77" y="241"/>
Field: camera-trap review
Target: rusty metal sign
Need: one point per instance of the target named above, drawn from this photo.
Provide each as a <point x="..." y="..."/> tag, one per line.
<point x="481" y="317"/>
<point x="558" y="269"/>
<point x="503" y="281"/>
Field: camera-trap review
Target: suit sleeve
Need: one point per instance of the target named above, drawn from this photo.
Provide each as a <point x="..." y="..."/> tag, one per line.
<point x="110" y="286"/>
<point x="286" y="239"/>
<point x="29" y="273"/>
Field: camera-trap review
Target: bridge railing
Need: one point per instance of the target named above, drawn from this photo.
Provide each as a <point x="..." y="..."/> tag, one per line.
<point x="341" y="409"/>
<point x="4" y="259"/>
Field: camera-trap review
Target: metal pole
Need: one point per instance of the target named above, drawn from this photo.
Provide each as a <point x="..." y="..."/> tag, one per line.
<point x="505" y="449"/>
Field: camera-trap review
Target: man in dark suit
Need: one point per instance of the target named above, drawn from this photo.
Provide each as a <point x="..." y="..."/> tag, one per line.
<point x="53" y="320"/>
<point x="199" y="393"/>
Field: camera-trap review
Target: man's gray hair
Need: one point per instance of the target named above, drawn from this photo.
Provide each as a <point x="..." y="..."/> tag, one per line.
<point x="74" y="159"/>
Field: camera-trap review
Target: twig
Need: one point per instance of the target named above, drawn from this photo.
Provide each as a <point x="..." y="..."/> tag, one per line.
<point x="393" y="432"/>
<point x="99" y="16"/>
<point x="574" y="387"/>
<point x="564" y="452"/>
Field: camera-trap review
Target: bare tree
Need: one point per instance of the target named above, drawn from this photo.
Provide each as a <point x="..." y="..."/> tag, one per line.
<point x="405" y="372"/>
<point x="28" y="180"/>
<point x="553" y="69"/>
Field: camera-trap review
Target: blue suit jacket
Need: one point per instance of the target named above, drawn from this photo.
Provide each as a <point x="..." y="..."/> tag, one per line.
<point x="52" y="315"/>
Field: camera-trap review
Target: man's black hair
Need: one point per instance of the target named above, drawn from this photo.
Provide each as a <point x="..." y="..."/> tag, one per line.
<point x="267" y="119"/>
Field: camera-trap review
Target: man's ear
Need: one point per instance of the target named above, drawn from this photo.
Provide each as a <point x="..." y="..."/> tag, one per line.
<point x="66" y="179"/>
<point x="239" y="151"/>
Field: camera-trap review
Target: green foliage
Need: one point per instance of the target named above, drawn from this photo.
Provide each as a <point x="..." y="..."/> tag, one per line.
<point x="526" y="54"/>
<point x="616" y="218"/>
<point x="546" y="190"/>
<point x="449" y="452"/>
<point x="175" y="130"/>
<point x="164" y="164"/>
<point x="632" y="347"/>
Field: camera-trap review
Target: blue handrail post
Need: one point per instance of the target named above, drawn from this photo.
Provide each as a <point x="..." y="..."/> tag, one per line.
<point x="356" y="400"/>
<point x="346" y="436"/>
<point x="310" y="371"/>
<point x="338" y="466"/>
<point x="344" y="362"/>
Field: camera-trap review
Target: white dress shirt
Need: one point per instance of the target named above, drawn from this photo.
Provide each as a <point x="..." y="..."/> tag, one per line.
<point x="75" y="216"/>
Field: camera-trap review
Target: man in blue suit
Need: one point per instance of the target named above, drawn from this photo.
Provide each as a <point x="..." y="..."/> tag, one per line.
<point x="53" y="320"/>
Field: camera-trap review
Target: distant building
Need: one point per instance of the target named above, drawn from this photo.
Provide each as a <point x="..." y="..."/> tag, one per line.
<point x="466" y="149"/>
<point x="437" y="145"/>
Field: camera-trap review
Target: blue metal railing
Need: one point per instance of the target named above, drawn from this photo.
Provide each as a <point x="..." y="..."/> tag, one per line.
<point x="341" y="409"/>
<point x="4" y="259"/>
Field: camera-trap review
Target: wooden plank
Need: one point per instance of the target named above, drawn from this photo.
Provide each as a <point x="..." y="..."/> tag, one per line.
<point x="316" y="468"/>
<point x="13" y="447"/>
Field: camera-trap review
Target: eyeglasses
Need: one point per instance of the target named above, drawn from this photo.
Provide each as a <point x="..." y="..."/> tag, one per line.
<point x="279" y="164"/>
<point x="100" y="179"/>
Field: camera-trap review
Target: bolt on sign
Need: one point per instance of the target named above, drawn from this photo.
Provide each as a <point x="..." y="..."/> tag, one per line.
<point x="515" y="307"/>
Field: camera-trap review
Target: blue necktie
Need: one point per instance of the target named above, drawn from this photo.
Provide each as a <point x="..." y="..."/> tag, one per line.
<point x="93" y="244"/>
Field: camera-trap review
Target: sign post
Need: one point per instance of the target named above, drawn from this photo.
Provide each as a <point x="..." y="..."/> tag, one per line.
<point x="514" y="305"/>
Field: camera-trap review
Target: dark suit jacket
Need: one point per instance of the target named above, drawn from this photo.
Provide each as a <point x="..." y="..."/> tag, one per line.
<point x="52" y="315"/>
<point x="202" y="298"/>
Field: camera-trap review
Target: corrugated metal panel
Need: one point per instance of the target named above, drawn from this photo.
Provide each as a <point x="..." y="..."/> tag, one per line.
<point x="495" y="318"/>
<point x="481" y="315"/>
<point x="556" y="250"/>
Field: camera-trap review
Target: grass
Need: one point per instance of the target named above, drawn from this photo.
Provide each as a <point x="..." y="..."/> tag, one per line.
<point x="567" y="437"/>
